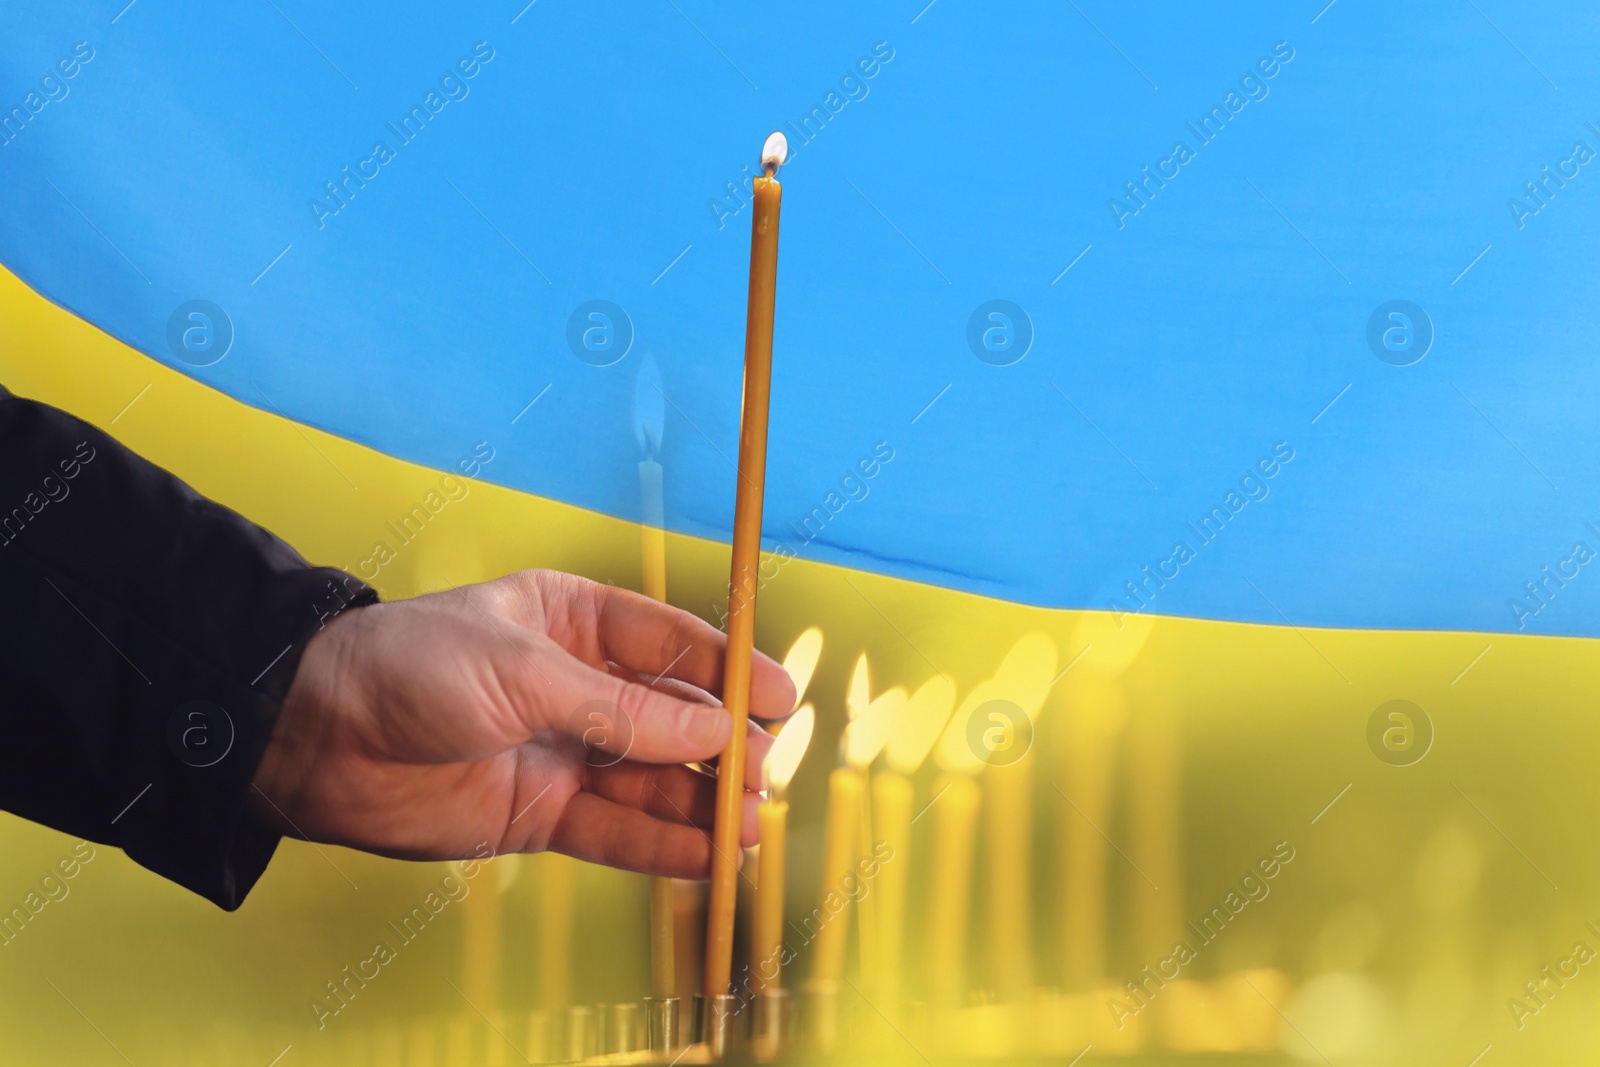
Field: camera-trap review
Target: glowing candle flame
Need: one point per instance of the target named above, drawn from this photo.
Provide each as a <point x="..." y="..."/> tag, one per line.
<point x="919" y="724"/>
<point x="869" y="732"/>
<point x="954" y="752"/>
<point x="784" y="757"/>
<point x="1024" y="677"/>
<point x="774" y="152"/>
<point x="1108" y="641"/>
<point x="860" y="693"/>
<point x="649" y="407"/>
<point x="801" y="662"/>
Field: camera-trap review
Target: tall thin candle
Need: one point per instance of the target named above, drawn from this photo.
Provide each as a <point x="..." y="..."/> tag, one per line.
<point x="870" y="726"/>
<point x="955" y="806"/>
<point x="842" y="848"/>
<point x="912" y="736"/>
<point x="955" y="829"/>
<point x="1097" y="712"/>
<point x="768" y="197"/>
<point x="838" y="856"/>
<point x="1096" y="706"/>
<point x="1022" y="682"/>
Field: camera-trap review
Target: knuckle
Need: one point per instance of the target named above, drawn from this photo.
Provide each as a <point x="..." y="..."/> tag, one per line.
<point x="632" y="702"/>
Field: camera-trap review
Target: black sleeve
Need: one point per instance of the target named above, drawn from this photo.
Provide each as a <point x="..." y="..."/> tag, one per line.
<point x="147" y="639"/>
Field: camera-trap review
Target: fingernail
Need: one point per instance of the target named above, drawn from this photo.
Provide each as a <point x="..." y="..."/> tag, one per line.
<point x="702" y="727"/>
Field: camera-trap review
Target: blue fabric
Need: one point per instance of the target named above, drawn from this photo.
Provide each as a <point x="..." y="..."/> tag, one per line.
<point x="1212" y="319"/>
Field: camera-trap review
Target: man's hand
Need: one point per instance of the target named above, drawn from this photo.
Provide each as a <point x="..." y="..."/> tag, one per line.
<point x="539" y="711"/>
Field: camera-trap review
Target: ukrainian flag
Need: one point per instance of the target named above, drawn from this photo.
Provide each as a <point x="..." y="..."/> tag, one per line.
<point x="1238" y="353"/>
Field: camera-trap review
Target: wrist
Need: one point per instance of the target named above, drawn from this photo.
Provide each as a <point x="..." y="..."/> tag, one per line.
<point x="302" y="726"/>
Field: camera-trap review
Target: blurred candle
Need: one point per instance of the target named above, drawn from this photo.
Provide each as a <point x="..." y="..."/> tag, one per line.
<point x="892" y="797"/>
<point x="1095" y="706"/>
<point x="555" y="873"/>
<point x="1015" y="697"/>
<point x="954" y="809"/>
<point x="858" y="741"/>
<point x="777" y="771"/>
<point x="457" y="1041"/>
<point x="912" y="735"/>
<point x="1155" y="775"/>
<point x="1096" y="712"/>
<point x="871" y="721"/>
<point x="772" y="817"/>
<point x="1007" y="835"/>
<point x="840" y="845"/>
<point x="838" y="856"/>
<point x="663" y="956"/>
<point x="689" y="930"/>
<point x="483" y="931"/>
<point x="653" y="538"/>
<point x="649" y="418"/>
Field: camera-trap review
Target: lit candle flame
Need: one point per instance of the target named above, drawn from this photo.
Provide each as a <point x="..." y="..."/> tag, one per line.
<point x="860" y="693"/>
<point x="919" y="724"/>
<point x="869" y="732"/>
<point x="649" y="407"/>
<point x="1024" y="678"/>
<point x="954" y="753"/>
<point x="1108" y="641"/>
<point x="870" y="720"/>
<point x="774" y="153"/>
<point x="784" y="757"/>
<point x="801" y="662"/>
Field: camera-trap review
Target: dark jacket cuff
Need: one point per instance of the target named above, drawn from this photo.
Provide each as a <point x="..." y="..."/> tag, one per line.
<point x="149" y="639"/>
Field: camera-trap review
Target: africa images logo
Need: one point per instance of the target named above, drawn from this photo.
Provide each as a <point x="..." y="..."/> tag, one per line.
<point x="1205" y="129"/>
<point x="340" y="191"/>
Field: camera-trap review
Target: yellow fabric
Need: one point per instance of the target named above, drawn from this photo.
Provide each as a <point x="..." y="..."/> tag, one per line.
<point x="1433" y="884"/>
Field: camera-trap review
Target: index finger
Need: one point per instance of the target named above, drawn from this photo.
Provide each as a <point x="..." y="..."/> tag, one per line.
<point x="658" y="640"/>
